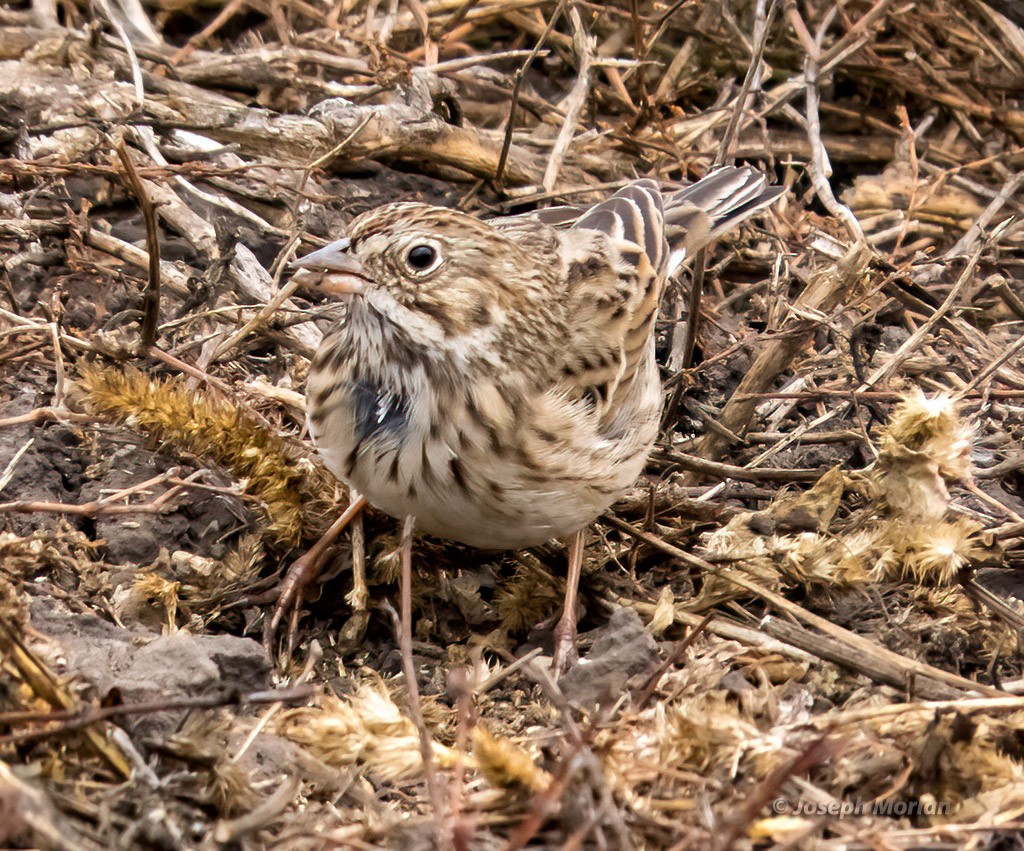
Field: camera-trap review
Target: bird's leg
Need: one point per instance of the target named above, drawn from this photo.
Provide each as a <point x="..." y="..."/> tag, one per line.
<point x="565" y="629"/>
<point x="306" y="567"/>
<point x="359" y="597"/>
<point x="409" y="669"/>
<point x="354" y="629"/>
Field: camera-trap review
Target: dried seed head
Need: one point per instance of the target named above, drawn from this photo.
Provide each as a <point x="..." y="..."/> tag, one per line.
<point x="366" y="728"/>
<point x="924" y="446"/>
<point x="293" y="496"/>
<point x="505" y="764"/>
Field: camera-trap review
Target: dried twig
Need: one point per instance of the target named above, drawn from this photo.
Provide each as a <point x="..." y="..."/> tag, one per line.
<point x="583" y="44"/>
<point x="820" y="168"/>
<point x="70" y="720"/>
<point x="151" y="297"/>
<point x="823" y="294"/>
<point x="403" y="629"/>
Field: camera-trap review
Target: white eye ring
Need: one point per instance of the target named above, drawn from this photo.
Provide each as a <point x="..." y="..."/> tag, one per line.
<point x="422" y="257"/>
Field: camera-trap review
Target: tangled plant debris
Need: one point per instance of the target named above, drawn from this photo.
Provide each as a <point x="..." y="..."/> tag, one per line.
<point x="800" y="629"/>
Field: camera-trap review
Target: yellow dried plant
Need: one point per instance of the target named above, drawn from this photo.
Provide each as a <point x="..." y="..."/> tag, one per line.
<point x="366" y="729"/>
<point x="293" y="492"/>
<point x="505" y="764"/>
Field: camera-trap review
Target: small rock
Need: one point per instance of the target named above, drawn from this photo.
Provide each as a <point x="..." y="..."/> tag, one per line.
<point x="622" y="649"/>
<point x="140" y="665"/>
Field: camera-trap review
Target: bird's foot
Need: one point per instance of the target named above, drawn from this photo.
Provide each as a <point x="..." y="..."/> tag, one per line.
<point x="301" y="574"/>
<point x="565" y="653"/>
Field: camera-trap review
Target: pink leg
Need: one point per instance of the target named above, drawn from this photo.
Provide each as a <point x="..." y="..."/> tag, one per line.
<point x="305" y="568"/>
<point x="565" y="629"/>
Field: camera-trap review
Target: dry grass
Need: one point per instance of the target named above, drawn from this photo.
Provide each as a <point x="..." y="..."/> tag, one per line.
<point x="824" y="546"/>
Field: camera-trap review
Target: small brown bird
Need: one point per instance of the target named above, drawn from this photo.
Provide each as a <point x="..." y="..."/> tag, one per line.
<point x="496" y="379"/>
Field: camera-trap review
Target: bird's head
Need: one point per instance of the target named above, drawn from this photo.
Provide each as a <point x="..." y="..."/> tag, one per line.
<point x="435" y="272"/>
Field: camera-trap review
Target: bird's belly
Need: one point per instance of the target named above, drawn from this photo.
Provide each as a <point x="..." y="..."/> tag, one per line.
<point x="505" y="489"/>
<point x="519" y="509"/>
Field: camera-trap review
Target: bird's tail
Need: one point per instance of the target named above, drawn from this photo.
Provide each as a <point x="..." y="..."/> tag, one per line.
<point x="698" y="213"/>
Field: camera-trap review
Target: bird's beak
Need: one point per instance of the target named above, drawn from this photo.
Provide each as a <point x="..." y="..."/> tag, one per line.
<point x="331" y="270"/>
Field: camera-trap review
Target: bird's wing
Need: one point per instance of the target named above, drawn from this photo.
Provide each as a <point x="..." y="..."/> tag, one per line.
<point x="616" y="256"/>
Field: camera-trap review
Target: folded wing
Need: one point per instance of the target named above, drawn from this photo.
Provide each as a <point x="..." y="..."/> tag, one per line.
<point x="617" y="256"/>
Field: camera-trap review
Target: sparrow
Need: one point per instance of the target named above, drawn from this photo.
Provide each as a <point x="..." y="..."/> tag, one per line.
<point x="496" y="379"/>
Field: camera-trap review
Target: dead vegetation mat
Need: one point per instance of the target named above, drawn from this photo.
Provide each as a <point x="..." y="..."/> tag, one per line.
<point x="802" y="628"/>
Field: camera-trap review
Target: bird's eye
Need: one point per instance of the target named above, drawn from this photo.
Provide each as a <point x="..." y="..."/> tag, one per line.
<point x="423" y="258"/>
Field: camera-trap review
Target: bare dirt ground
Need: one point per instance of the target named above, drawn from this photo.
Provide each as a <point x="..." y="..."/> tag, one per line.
<point x="802" y="629"/>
